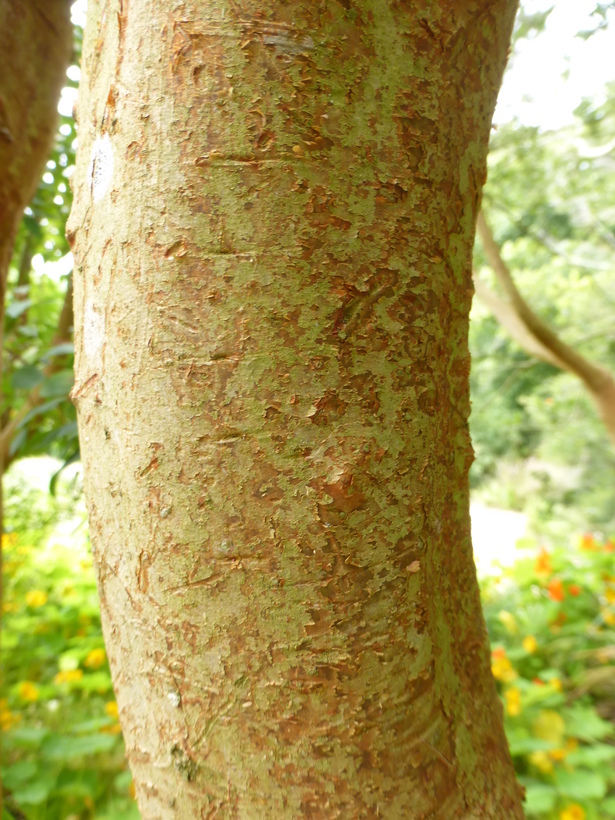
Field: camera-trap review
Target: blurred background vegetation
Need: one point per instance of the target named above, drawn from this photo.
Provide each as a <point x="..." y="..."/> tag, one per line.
<point x="541" y="449"/>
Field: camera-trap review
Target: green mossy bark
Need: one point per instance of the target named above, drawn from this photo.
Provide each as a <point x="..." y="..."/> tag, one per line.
<point x="273" y="225"/>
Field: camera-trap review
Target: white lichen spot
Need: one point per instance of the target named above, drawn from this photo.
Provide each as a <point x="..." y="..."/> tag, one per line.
<point x="174" y="698"/>
<point x="101" y="167"/>
<point x="93" y="331"/>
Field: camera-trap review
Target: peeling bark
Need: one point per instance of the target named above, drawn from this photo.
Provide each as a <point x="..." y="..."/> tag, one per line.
<point x="273" y="225"/>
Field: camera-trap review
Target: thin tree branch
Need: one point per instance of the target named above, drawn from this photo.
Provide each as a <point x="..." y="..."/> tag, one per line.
<point x="510" y="321"/>
<point x="592" y="375"/>
<point x="598" y="380"/>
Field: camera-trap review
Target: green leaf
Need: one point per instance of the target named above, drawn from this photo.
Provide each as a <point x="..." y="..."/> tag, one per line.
<point x="521" y="743"/>
<point x="65" y="431"/>
<point x="27" y="737"/>
<point x="26" y="377"/>
<point x="60" y="384"/>
<point x="54" y="478"/>
<point x="13" y="776"/>
<point x="89" y="726"/>
<point x="17" y="440"/>
<point x="124" y="810"/>
<point x="29" y="331"/>
<point x="591" y="756"/>
<point x="75" y="788"/>
<point x="18" y="307"/>
<point x="40" y="410"/>
<point x="580" y="784"/>
<point x="63" y="749"/>
<point x="584" y="723"/>
<point x="539" y="798"/>
<point x="96" y="682"/>
<point x="608" y="806"/>
<point x="34" y="794"/>
<point x="9" y="639"/>
<point x="64" y="349"/>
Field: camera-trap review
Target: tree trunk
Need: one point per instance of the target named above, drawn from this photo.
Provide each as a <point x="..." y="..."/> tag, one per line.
<point x="273" y="229"/>
<point x="35" y="48"/>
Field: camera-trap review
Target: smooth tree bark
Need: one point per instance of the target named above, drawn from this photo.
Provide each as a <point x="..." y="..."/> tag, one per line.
<point x="536" y="337"/>
<point x="273" y="224"/>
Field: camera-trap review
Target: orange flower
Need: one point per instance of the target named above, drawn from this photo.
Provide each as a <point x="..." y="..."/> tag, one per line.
<point x="7" y="718"/>
<point x="588" y="542"/>
<point x="609" y="546"/>
<point x="574" y="590"/>
<point x="543" y="563"/>
<point x="556" y="590"/>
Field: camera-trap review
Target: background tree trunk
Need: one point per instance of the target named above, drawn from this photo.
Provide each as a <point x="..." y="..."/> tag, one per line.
<point x="273" y="228"/>
<point x="36" y="41"/>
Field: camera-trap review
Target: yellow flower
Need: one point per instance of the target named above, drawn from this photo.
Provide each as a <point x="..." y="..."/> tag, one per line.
<point x="542" y="762"/>
<point x="572" y="812"/>
<point x="509" y="622"/>
<point x="36" y="598"/>
<point x="68" y="676"/>
<point x="608" y="617"/>
<point x="8" y="539"/>
<point x="501" y="667"/>
<point x="610" y="595"/>
<point x="555" y="683"/>
<point x="28" y="691"/>
<point x="512" y="697"/>
<point x="95" y="658"/>
<point x="530" y="644"/>
<point x="549" y="725"/>
<point x="112" y="710"/>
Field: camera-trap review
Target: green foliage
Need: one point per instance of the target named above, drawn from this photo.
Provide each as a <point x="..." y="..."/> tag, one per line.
<point x="549" y="200"/>
<point x="63" y="753"/>
<point x="37" y="372"/>
<point x="551" y="619"/>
